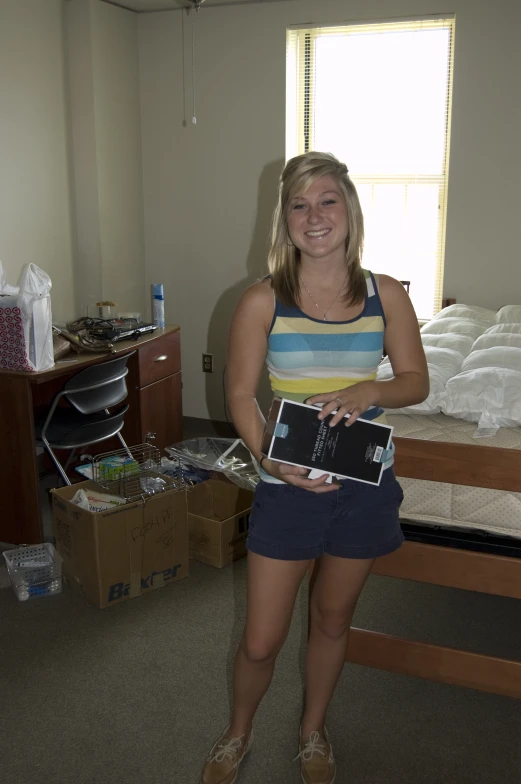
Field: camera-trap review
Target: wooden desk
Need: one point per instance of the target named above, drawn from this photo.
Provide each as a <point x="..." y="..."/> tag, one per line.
<point x="154" y="397"/>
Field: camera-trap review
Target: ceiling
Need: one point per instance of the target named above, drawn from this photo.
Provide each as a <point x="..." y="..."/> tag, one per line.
<point x="144" y="6"/>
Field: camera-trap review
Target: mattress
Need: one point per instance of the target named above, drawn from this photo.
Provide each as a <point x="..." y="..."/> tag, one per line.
<point x="496" y="512"/>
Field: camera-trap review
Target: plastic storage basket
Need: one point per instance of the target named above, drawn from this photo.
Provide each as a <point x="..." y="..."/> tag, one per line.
<point x="34" y="571"/>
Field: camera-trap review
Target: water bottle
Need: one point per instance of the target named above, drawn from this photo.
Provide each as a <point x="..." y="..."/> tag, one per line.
<point x="158" y="305"/>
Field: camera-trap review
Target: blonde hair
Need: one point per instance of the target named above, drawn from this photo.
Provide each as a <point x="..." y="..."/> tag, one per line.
<point x="284" y="258"/>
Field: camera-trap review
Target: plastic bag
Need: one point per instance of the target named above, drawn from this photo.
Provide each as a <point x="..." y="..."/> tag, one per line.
<point x="93" y="501"/>
<point x="228" y="456"/>
<point x="26" y="321"/>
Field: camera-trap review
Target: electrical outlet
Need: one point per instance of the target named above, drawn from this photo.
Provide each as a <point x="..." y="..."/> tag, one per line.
<point x="207" y="363"/>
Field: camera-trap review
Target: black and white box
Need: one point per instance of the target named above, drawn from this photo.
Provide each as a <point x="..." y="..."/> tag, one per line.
<point x="294" y="434"/>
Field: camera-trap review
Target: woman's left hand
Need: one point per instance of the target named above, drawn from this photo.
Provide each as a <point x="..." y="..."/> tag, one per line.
<point x="353" y="400"/>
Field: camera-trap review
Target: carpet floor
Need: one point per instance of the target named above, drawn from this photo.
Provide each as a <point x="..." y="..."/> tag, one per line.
<point x="138" y="692"/>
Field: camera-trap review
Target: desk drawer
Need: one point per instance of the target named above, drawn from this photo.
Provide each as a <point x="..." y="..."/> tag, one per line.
<point x="159" y="358"/>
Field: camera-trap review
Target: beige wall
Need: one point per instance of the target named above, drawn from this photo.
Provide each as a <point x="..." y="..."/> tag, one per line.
<point x="118" y="143"/>
<point x="70" y="151"/>
<point x="106" y="141"/>
<point x="35" y="223"/>
<point x="209" y="189"/>
<point x="84" y="169"/>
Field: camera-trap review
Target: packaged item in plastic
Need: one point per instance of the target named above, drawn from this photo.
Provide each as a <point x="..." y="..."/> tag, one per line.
<point x="182" y="470"/>
<point x="26" y="321"/>
<point x="152" y="484"/>
<point x="228" y="456"/>
<point x="115" y="466"/>
<point x="96" y="502"/>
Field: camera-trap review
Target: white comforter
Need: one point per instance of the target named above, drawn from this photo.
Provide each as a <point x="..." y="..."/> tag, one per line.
<point x="474" y="360"/>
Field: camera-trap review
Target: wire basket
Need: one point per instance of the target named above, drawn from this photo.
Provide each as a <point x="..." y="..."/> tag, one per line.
<point x="134" y="473"/>
<point x="35" y="570"/>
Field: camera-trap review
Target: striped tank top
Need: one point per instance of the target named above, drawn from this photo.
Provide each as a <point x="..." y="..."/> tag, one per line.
<point x="307" y="356"/>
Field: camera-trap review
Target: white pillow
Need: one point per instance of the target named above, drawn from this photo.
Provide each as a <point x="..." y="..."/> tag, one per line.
<point x="460" y="326"/>
<point x="490" y="396"/>
<point x="433" y="403"/>
<point x="494" y="357"/>
<point x="385" y="370"/>
<point x="442" y="364"/>
<point x="447" y="360"/>
<point x="459" y="343"/>
<point x="500" y="329"/>
<point x="489" y="339"/>
<point x="472" y="312"/>
<point x="509" y="314"/>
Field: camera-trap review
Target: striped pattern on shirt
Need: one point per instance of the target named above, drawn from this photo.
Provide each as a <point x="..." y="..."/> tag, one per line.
<point x="307" y="356"/>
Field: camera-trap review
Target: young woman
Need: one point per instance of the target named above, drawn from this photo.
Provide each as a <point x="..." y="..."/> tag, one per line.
<point x="321" y="323"/>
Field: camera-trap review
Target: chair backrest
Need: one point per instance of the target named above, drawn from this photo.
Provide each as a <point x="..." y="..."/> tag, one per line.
<point x="99" y="386"/>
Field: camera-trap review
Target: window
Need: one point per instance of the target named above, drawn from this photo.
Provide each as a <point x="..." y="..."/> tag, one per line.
<point x="378" y="97"/>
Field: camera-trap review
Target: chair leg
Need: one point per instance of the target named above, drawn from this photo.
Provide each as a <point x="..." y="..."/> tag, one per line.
<point x="56" y="462"/>
<point x="129" y="453"/>
<point x="71" y="455"/>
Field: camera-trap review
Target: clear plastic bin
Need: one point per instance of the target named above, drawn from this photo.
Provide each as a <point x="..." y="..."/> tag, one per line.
<point x="35" y="570"/>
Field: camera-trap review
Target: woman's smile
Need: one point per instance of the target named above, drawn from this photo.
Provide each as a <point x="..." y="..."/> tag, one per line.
<point x="317" y="220"/>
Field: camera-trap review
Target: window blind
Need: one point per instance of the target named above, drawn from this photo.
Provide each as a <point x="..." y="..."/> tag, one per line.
<point x="378" y="96"/>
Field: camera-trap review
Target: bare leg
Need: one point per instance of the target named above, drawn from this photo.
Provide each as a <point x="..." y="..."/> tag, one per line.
<point x="272" y="590"/>
<point x="334" y="594"/>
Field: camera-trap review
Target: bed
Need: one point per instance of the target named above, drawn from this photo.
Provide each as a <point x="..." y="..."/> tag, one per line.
<point x="442" y="461"/>
<point x="483" y="514"/>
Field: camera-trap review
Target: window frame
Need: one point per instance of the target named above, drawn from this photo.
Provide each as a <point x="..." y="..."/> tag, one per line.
<point x="299" y="121"/>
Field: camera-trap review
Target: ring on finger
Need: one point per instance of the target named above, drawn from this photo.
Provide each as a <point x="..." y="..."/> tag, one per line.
<point x="340" y="401"/>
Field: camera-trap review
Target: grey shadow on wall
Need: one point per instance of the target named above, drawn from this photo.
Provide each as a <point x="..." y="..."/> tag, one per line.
<point x="217" y="340"/>
<point x="256" y="268"/>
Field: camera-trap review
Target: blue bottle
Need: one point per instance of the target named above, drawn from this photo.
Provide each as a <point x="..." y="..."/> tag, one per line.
<point x="158" y="305"/>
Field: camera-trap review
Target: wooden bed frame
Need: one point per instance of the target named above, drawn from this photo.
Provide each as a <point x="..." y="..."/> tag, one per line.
<point x="477" y="466"/>
<point x="473" y="571"/>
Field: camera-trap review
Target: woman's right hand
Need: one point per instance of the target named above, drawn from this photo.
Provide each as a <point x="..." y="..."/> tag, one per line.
<point x="295" y="475"/>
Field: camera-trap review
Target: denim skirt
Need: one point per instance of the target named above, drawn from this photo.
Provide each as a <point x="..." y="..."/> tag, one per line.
<point x="357" y="521"/>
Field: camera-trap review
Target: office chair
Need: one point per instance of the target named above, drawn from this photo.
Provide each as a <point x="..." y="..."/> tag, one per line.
<point x="87" y="420"/>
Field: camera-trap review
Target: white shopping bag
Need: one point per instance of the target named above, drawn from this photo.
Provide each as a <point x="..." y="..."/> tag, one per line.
<point x="26" y="321"/>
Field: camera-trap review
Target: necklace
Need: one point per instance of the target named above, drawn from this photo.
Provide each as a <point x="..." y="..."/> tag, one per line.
<point x="312" y="298"/>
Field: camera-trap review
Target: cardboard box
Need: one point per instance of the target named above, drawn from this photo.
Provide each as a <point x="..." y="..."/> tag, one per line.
<point x="125" y="551"/>
<point x="218" y="515"/>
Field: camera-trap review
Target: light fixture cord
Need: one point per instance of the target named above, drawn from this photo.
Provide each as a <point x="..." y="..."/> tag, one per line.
<point x="194" y="118"/>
